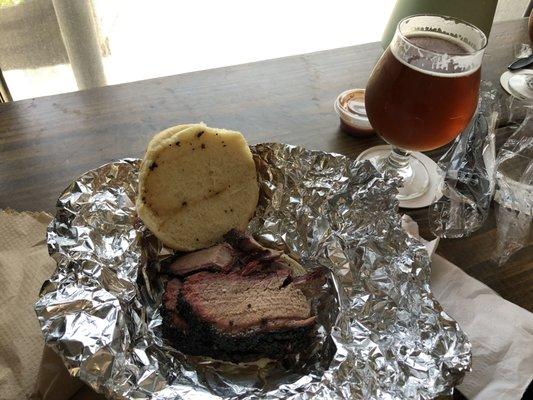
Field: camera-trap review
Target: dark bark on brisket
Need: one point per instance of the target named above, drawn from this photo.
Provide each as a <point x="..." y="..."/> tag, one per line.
<point x="205" y="340"/>
<point x="249" y="247"/>
<point x="171" y="294"/>
<point x="170" y="304"/>
<point x="254" y="267"/>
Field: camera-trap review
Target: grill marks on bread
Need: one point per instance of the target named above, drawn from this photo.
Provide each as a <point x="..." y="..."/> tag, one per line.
<point x="195" y="184"/>
<point x="176" y="200"/>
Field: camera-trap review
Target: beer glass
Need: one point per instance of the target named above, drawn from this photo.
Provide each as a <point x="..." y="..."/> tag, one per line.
<point x="423" y="92"/>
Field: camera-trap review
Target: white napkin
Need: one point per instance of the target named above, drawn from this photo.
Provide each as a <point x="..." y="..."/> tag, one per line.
<point x="501" y="332"/>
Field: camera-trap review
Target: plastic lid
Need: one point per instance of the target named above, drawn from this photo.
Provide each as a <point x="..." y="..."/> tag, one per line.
<point x="350" y="105"/>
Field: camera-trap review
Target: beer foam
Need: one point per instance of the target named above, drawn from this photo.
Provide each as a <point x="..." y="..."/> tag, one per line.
<point x="432" y="62"/>
<point x="436" y="44"/>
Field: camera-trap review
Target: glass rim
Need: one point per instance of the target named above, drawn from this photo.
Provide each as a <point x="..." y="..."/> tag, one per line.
<point x="443" y="17"/>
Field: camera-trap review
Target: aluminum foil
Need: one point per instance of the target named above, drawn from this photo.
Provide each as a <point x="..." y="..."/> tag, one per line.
<point x="381" y="333"/>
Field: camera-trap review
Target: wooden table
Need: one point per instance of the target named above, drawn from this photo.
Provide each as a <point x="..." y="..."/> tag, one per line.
<point x="46" y="142"/>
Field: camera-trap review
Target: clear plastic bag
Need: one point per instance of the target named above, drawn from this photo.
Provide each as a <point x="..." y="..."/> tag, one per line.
<point x="514" y="191"/>
<point x="468" y="173"/>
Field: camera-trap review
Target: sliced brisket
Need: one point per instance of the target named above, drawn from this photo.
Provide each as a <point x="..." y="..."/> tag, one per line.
<point x="249" y="247"/>
<point x="239" y="301"/>
<point x="201" y="339"/>
<point x="311" y="283"/>
<point x="216" y="258"/>
<point x="170" y="296"/>
<point x="234" y="303"/>
<point x="170" y="304"/>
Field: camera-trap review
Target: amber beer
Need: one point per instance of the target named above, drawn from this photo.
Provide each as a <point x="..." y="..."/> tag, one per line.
<point x="417" y="109"/>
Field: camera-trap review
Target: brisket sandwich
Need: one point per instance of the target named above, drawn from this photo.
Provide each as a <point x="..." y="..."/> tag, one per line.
<point x="229" y="297"/>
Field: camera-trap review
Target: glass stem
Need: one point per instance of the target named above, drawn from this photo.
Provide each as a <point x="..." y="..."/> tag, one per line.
<point x="398" y="159"/>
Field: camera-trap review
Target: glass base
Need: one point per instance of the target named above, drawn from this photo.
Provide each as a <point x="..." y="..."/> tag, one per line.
<point x="415" y="177"/>
<point x="434" y="191"/>
<point x="521" y="85"/>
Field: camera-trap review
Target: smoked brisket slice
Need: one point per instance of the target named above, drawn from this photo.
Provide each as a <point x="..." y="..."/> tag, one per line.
<point x="311" y="283"/>
<point x="202" y="339"/>
<point x="170" y="305"/>
<point x="217" y="258"/>
<point x="238" y="318"/>
<point x="234" y="303"/>
<point x="170" y="296"/>
<point x="239" y="301"/>
<point x="249" y="248"/>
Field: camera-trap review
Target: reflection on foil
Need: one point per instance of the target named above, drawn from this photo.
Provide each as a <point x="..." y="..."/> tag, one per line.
<point x="382" y="335"/>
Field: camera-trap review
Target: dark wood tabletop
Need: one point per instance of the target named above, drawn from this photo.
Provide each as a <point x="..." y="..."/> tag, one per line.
<point x="46" y="142"/>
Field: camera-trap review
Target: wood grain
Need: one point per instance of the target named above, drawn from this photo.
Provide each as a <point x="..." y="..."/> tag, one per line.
<point x="46" y="142"/>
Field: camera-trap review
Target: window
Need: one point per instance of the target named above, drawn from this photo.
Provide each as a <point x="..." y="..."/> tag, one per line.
<point x="56" y="46"/>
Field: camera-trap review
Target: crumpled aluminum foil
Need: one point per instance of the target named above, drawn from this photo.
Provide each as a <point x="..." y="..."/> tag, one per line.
<point x="382" y="335"/>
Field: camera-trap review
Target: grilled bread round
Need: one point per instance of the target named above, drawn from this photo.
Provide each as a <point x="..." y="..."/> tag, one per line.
<point x="195" y="184"/>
